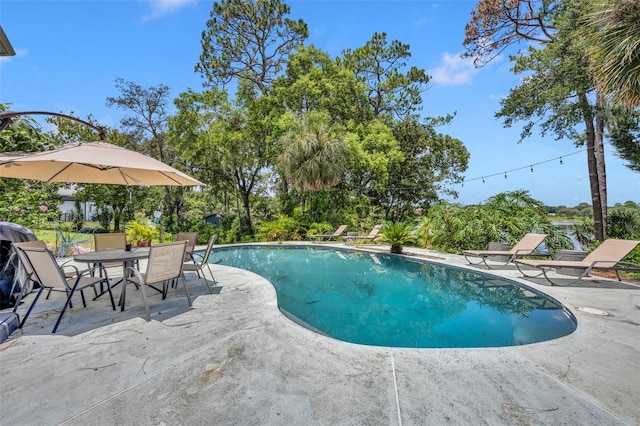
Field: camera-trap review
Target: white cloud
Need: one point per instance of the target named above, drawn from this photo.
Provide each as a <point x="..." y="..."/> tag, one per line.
<point x="421" y="22"/>
<point x="160" y="8"/>
<point x="453" y="70"/>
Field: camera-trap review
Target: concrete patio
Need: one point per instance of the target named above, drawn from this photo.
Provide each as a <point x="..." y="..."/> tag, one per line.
<point x="234" y="359"/>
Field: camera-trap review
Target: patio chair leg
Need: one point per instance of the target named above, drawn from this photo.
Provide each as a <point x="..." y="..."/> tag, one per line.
<point x="113" y="303"/>
<point x="31" y="307"/>
<point x="64" y="309"/>
<point x="213" y="279"/>
<point x="143" y="290"/>
<point x="165" y="288"/>
<point x="186" y="290"/>
<point x="545" y="270"/>
<point x="527" y="275"/>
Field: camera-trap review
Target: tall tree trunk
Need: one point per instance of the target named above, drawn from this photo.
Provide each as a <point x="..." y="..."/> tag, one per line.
<point x="238" y="211"/>
<point x="600" y="162"/>
<point x="247" y="211"/>
<point x="594" y="177"/>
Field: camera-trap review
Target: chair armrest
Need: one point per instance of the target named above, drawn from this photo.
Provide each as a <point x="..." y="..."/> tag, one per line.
<point x="200" y="256"/>
<point x="74" y="267"/>
<point x="85" y="271"/>
<point x="136" y="274"/>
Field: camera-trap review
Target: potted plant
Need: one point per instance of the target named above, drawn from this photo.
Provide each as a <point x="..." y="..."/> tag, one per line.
<point x="140" y="234"/>
<point x="397" y="234"/>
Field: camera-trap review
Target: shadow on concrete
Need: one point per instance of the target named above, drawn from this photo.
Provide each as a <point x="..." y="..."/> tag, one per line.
<point x="99" y="313"/>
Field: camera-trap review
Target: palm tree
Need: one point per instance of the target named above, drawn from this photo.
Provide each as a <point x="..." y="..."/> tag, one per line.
<point x="314" y="153"/>
<point x="614" y="33"/>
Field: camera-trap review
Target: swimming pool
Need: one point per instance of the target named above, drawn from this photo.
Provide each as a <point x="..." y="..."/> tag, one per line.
<point x="386" y="300"/>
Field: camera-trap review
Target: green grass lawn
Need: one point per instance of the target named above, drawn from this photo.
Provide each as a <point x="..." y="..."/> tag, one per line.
<point x="85" y="240"/>
<point x="48" y="235"/>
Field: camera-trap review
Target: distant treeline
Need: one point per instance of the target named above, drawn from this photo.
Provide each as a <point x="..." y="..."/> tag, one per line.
<point x="585" y="210"/>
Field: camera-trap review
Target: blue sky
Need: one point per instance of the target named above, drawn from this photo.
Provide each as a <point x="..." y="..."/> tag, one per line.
<point x="69" y="54"/>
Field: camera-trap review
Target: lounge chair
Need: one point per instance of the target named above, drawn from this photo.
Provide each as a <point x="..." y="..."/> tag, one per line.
<point x="372" y="235"/>
<point x="198" y="267"/>
<point x="328" y="237"/>
<point x="607" y="256"/>
<point x="524" y="247"/>
<point x="50" y="275"/>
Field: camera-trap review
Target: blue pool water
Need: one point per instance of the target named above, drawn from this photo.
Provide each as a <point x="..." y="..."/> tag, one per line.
<point x="386" y="300"/>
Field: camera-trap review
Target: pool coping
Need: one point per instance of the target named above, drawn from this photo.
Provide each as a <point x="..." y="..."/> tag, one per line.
<point x="234" y="358"/>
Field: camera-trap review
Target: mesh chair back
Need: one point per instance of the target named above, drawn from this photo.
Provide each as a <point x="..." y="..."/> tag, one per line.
<point x="45" y="267"/>
<point x="27" y="244"/>
<point x="108" y="241"/>
<point x="610" y="252"/>
<point x="528" y="243"/>
<point x="207" y="252"/>
<point x="190" y="237"/>
<point x="374" y="232"/>
<point x="339" y="231"/>
<point x="165" y="262"/>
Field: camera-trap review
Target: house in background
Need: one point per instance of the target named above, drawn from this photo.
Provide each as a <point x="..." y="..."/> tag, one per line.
<point x="68" y="206"/>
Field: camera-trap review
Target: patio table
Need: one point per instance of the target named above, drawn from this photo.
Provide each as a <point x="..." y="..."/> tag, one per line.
<point x="128" y="258"/>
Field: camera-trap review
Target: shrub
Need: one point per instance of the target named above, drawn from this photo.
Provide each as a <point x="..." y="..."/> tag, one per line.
<point x="398" y="235"/>
<point x="137" y="232"/>
<point x="506" y="218"/>
<point x="282" y="229"/>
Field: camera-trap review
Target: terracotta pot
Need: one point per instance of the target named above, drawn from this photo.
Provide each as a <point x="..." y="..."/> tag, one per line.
<point x="146" y="243"/>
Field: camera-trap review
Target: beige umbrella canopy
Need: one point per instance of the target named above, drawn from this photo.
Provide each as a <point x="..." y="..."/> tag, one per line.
<point x="92" y="162"/>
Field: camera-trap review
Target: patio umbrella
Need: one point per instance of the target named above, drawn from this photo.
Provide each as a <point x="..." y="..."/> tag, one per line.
<point x="93" y="162"/>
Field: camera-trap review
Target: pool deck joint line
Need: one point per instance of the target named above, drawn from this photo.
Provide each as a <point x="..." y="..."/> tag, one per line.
<point x="395" y="389"/>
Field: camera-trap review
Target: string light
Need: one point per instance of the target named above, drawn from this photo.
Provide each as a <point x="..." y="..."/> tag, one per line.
<point x="530" y="167"/>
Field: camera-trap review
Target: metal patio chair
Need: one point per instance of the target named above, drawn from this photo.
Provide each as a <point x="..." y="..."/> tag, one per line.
<point x="51" y="276"/>
<point x="192" y="240"/>
<point x="163" y="266"/>
<point x="198" y="267"/>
